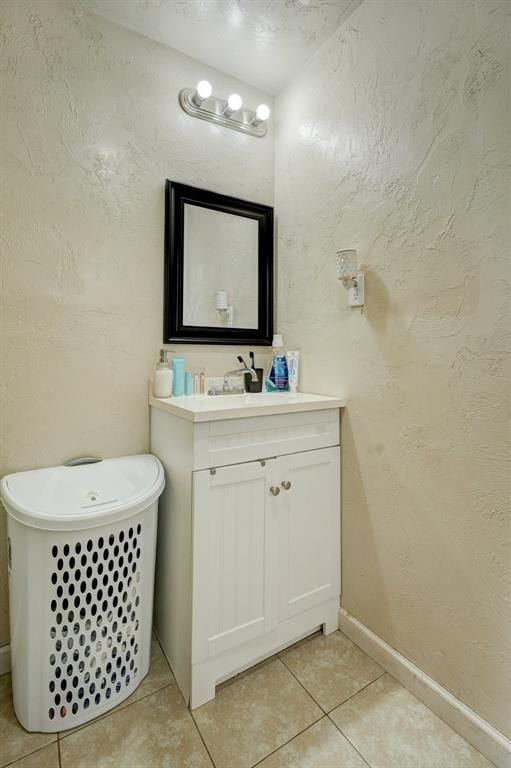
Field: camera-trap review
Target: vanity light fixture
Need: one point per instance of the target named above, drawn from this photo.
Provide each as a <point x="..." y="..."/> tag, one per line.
<point x="230" y="113"/>
<point x="351" y="276"/>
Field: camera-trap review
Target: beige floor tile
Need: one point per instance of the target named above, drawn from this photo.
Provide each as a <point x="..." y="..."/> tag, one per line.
<point x="320" y="746"/>
<point x="390" y="728"/>
<point x="157" y="732"/>
<point x="47" y="757"/>
<point x="255" y="715"/>
<point x="15" y="742"/>
<point x="331" y="668"/>
<point x="159" y="676"/>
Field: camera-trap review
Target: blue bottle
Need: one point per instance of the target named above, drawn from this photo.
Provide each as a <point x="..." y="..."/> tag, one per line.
<point x="178" y="369"/>
<point x="278" y="375"/>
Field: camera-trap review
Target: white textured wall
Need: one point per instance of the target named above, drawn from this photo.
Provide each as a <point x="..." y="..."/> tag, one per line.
<point x="90" y="128"/>
<point x="394" y="140"/>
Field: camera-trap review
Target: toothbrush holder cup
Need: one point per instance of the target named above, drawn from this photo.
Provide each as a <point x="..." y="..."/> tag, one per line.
<point x="254" y="386"/>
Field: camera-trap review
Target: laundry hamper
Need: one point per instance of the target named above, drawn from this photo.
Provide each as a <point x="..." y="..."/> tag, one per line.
<point x="81" y="550"/>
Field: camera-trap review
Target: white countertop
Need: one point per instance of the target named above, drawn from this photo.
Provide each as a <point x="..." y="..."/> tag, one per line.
<point x="198" y="408"/>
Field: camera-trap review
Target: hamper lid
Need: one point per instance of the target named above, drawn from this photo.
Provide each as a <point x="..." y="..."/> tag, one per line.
<point x="83" y="496"/>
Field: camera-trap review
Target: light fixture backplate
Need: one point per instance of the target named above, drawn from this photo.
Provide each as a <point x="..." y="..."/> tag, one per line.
<point x="212" y="110"/>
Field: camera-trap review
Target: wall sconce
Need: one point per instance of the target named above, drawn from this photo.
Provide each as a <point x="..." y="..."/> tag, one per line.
<point x="222" y="306"/>
<point x="230" y="113"/>
<point x="352" y="277"/>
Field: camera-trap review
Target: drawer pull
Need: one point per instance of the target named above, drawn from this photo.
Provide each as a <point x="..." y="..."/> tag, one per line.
<point x="274" y="490"/>
<point x="286" y="485"/>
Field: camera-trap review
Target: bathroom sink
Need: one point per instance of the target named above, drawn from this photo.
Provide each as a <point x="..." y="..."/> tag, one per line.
<point x="214" y="408"/>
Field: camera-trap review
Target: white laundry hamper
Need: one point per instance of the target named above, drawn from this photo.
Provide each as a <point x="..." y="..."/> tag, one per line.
<point x="81" y="551"/>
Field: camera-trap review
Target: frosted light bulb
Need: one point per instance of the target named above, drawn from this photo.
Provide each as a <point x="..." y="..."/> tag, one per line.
<point x="202" y="92"/>
<point x="204" y="89"/>
<point x="263" y="112"/>
<point x="234" y="102"/>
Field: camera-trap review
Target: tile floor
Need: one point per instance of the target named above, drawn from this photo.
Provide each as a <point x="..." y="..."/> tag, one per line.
<point x="320" y="704"/>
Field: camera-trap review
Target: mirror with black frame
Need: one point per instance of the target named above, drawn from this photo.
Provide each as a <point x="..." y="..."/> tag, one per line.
<point x="218" y="268"/>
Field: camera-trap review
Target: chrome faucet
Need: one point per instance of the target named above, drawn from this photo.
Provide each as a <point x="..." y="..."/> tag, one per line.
<point x="238" y="372"/>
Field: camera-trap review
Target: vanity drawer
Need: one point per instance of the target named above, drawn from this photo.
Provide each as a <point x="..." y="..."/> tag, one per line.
<point x="233" y="441"/>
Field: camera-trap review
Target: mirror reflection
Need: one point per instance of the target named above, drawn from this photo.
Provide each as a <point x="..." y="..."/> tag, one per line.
<point x="220" y="269"/>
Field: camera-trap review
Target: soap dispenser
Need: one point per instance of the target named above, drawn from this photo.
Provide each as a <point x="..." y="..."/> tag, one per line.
<point x="162" y="381"/>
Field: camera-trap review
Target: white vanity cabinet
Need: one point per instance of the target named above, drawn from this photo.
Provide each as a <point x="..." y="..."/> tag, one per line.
<point x="248" y="539"/>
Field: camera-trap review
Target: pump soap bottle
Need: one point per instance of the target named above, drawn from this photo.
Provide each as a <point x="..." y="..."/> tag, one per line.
<point x="162" y="381"/>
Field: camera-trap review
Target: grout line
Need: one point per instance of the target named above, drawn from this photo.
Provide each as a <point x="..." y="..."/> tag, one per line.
<point x="356" y="693"/>
<point x="349" y="741"/>
<point x="119" y="708"/>
<point x="58" y="750"/>
<point x="327" y="711"/>
<point x="344" y="702"/>
<point x="202" y="738"/>
<point x="29" y="754"/>
<point x="281" y="746"/>
<point x="304" y="688"/>
<point x="285" y="742"/>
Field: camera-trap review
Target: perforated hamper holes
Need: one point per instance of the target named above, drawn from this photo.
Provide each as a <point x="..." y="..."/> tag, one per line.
<point x="108" y="601"/>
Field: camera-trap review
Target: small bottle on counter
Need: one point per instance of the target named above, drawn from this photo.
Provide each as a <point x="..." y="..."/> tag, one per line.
<point x="293" y="366"/>
<point x="162" y="380"/>
<point x="178" y="368"/>
<point x="188" y="383"/>
<point x="277" y="379"/>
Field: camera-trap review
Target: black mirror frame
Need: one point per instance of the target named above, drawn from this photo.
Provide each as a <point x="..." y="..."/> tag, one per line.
<point x="176" y="196"/>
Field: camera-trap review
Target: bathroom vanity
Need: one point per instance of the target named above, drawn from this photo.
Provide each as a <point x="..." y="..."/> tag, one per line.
<point x="249" y="529"/>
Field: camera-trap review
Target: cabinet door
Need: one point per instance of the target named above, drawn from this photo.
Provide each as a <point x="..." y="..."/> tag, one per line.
<point x="232" y="560"/>
<point x="309" y="529"/>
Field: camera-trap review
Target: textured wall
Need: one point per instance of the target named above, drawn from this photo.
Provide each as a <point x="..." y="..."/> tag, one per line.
<point x="90" y="129"/>
<point x="394" y="140"/>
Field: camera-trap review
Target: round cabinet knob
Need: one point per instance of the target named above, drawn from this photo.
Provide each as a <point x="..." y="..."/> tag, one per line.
<point x="274" y="490"/>
<point x="286" y="485"/>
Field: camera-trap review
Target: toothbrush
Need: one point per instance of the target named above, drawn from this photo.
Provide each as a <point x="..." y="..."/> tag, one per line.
<point x="252" y="359"/>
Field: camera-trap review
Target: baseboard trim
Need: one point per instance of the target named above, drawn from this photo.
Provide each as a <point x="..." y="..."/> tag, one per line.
<point x="5" y="659"/>
<point x="478" y="732"/>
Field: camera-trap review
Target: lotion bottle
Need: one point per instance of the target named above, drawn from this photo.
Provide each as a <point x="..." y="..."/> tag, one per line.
<point x="162" y="381"/>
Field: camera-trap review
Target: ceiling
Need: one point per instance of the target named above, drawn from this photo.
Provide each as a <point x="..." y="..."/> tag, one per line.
<point x="261" y="42"/>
